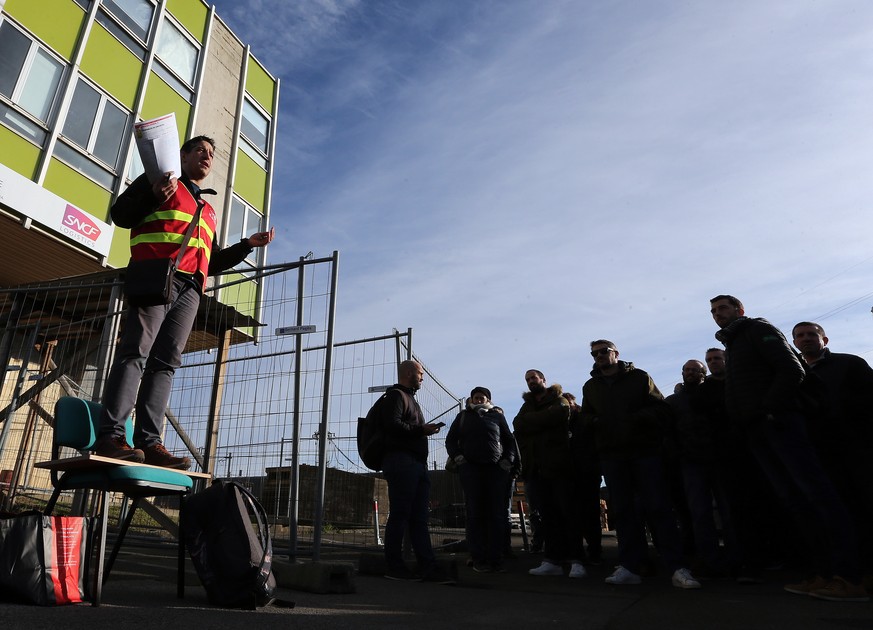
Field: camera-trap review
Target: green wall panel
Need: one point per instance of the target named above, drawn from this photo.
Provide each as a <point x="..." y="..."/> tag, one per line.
<point x="241" y="296"/>
<point x="192" y="14"/>
<point x="120" y="77"/>
<point x="250" y="181"/>
<point x="119" y="251"/>
<point x="60" y="31"/>
<point x="260" y="85"/>
<point x="17" y="153"/>
<point x="161" y="99"/>
<point x="77" y="189"/>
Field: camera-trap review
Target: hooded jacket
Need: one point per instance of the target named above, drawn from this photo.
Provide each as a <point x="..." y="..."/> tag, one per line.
<point x="481" y="434"/>
<point x="627" y="411"/>
<point x="542" y="430"/>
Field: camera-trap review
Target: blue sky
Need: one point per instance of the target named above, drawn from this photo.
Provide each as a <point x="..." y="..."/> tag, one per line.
<point x="515" y="178"/>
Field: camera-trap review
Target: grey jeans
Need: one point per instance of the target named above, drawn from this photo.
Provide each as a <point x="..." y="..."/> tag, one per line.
<point x="145" y="363"/>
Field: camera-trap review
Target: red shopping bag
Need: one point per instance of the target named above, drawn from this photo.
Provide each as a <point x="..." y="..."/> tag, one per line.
<point x="43" y="558"/>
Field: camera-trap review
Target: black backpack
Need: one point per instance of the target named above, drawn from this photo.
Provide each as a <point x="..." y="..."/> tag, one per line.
<point x="371" y="432"/>
<point x="231" y="556"/>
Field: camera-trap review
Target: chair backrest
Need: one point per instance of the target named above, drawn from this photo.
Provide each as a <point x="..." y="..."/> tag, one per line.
<point x="77" y="423"/>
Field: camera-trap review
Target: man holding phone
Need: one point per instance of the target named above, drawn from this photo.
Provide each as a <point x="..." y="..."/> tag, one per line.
<point x="405" y="470"/>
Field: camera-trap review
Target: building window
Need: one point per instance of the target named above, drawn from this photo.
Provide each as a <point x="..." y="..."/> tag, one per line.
<point x="29" y="78"/>
<point x="94" y="129"/>
<point x="135" y="15"/>
<point x="175" y="50"/>
<point x="255" y="133"/>
<point x="242" y="222"/>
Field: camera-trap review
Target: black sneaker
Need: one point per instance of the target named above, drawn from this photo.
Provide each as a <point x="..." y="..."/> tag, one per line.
<point x="481" y="567"/>
<point x="402" y="574"/>
<point x="158" y="455"/>
<point x="118" y="448"/>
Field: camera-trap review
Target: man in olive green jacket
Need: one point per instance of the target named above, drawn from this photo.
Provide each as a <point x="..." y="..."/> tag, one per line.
<point x="542" y="431"/>
<point x="629" y="414"/>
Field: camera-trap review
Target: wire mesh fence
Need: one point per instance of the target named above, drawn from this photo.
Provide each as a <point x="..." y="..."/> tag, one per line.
<point x="266" y="395"/>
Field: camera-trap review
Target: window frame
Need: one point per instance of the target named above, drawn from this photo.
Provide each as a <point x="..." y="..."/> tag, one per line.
<point x="118" y="20"/>
<point x="261" y="156"/>
<point x="163" y="69"/>
<point x="69" y="151"/>
<point x="253" y="259"/>
<point x="28" y="124"/>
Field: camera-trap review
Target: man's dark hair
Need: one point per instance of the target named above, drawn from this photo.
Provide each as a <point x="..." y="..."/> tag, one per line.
<point x="731" y="300"/>
<point x="606" y="342"/>
<point x="713" y="350"/>
<point x="191" y="143"/>
<point x="817" y="327"/>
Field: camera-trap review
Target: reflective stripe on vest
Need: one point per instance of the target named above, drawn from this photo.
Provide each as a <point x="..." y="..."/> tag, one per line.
<point x="160" y="234"/>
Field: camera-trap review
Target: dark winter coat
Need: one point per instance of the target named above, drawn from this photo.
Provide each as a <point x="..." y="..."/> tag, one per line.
<point x="627" y="411"/>
<point x="482" y="436"/>
<point x="701" y="427"/>
<point x="848" y="389"/>
<point x="542" y="432"/>
<point x="763" y="375"/>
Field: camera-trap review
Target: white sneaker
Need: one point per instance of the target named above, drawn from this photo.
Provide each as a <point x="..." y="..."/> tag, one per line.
<point x="622" y="576"/>
<point x="682" y="578"/>
<point x="578" y="571"/>
<point x="547" y="568"/>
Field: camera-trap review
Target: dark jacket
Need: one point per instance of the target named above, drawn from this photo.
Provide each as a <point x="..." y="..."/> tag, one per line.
<point x="848" y="389"/>
<point x="763" y="375"/>
<point x="482" y="436"/>
<point x="583" y="448"/>
<point x="404" y="423"/>
<point x="700" y="425"/>
<point x="542" y="432"/>
<point x="627" y="411"/>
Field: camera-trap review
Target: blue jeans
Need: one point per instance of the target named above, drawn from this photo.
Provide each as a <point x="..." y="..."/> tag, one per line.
<point x="641" y="479"/>
<point x="145" y="364"/>
<point x="703" y="483"/>
<point x="408" y="497"/>
<point x="485" y="498"/>
<point x="790" y="463"/>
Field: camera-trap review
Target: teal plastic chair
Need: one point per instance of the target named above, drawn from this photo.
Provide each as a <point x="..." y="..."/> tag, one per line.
<point x="76" y="425"/>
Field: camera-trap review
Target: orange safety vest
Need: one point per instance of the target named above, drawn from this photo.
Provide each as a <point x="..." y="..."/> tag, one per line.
<point x="160" y="234"/>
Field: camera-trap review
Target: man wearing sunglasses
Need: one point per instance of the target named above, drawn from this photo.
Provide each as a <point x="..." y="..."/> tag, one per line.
<point x="629" y="414"/>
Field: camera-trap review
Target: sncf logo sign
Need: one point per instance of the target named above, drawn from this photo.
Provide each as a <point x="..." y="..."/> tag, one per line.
<point x="78" y="222"/>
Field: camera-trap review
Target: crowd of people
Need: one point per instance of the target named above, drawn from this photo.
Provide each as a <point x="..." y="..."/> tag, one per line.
<point x="763" y="454"/>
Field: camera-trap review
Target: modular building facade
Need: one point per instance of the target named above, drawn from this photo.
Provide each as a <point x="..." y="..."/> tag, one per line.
<point x="75" y="75"/>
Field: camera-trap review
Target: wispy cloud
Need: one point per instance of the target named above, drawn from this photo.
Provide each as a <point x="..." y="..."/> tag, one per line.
<point x="515" y="179"/>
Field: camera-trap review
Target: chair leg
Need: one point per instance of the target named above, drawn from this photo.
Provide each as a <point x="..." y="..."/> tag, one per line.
<point x="180" y="574"/>
<point x="101" y="550"/>
<point x="50" y="506"/>
<point x="121" y="534"/>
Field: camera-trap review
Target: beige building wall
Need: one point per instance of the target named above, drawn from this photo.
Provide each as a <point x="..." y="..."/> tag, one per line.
<point x="216" y="112"/>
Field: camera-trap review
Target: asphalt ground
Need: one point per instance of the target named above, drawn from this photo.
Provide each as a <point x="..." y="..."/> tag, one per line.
<point x="142" y="594"/>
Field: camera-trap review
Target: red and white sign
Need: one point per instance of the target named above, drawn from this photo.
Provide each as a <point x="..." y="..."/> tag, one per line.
<point x="26" y="197"/>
